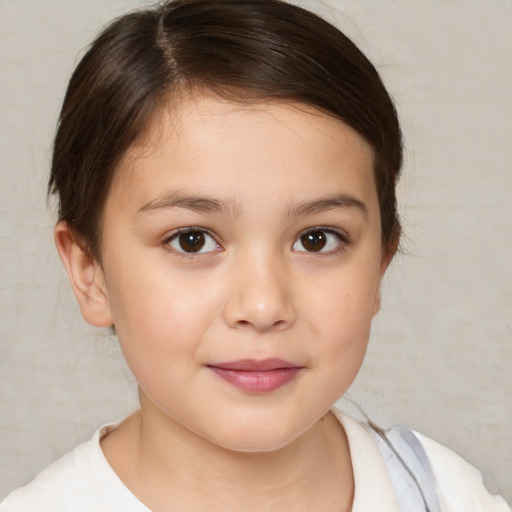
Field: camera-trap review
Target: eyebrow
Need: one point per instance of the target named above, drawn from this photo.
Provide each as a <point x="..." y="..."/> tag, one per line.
<point x="200" y="204"/>
<point x="322" y="204"/>
<point x="230" y="207"/>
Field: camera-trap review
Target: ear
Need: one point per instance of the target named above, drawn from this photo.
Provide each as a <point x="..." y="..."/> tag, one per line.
<point x="86" y="277"/>
<point x="388" y="253"/>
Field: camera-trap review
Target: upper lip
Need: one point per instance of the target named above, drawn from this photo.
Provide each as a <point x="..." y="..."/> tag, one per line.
<point x="255" y="365"/>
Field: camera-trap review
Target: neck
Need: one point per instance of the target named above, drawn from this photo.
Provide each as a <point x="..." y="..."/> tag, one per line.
<point x="167" y="463"/>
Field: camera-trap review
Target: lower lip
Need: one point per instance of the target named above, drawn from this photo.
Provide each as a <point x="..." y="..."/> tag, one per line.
<point x="257" y="381"/>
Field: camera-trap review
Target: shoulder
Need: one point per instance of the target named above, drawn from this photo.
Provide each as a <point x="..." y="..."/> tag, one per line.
<point x="80" y="481"/>
<point x="54" y="487"/>
<point x="445" y="478"/>
<point x="459" y="485"/>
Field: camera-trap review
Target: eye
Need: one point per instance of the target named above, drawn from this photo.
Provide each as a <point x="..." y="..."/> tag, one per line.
<point x="192" y="241"/>
<point x="318" y="240"/>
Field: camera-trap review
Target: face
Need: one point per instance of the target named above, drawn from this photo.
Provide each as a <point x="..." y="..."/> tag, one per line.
<point x="241" y="260"/>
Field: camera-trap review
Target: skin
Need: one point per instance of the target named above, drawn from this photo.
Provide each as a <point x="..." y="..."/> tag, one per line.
<point x="254" y="178"/>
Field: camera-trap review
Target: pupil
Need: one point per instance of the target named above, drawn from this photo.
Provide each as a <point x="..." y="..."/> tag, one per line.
<point x="314" y="241"/>
<point x="192" y="242"/>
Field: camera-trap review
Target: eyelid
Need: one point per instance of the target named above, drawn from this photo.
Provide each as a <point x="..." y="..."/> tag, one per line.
<point x="342" y="235"/>
<point x="169" y="237"/>
<point x="330" y="229"/>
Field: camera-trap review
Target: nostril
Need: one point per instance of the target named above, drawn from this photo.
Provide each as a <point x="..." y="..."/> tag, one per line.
<point x="247" y="324"/>
<point x="279" y="324"/>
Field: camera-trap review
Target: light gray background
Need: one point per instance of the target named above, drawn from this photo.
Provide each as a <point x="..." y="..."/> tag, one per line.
<point x="441" y="348"/>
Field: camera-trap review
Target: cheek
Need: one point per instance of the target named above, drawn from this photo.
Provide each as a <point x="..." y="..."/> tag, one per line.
<point x="342" y="336"/>
<point x="343" y="301"/>
<point x="159" y="318"/>
<point x="159" y="340"/>
<point x="340" y="310"/>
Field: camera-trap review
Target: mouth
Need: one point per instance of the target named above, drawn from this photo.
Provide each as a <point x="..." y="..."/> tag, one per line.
<point x="257" y="376"/>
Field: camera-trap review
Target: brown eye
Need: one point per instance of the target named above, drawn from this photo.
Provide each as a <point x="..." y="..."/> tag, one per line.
<point x="313" y="241"/>
<point x="192" y="242"/>
<point x="318" y="240"/>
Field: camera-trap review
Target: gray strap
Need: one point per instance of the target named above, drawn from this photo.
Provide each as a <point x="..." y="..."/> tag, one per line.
<point x="409" y="469"/>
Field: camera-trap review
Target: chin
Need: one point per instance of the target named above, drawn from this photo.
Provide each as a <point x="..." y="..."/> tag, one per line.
<point x="257" y="445"/>
<point x="257" y="438"/>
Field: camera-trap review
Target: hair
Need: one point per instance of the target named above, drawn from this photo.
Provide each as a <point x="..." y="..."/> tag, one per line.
<point x="241" y="50"/>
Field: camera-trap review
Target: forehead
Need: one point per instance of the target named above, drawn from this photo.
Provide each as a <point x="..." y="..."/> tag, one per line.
<point x="205" y="142"/>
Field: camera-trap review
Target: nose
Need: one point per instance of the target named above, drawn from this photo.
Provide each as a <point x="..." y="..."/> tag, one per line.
<point x="260" y="297"/>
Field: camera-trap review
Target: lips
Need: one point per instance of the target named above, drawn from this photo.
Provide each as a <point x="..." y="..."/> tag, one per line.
<point x="257" y="376"/>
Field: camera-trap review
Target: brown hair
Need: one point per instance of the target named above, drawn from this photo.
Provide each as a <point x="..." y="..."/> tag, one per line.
<point x="239" y="49"/>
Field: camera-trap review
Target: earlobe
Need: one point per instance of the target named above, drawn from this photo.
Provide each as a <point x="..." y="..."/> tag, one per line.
<point x="376" y="302"/>
<point x="86" y="277"/>
<point x="388" y="254"/>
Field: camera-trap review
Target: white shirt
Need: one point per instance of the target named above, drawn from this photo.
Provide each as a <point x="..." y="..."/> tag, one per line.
<point x="83" y="480"/>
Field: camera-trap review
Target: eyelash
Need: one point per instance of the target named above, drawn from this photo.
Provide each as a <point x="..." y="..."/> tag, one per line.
<point x="342" y="237"/>
<point x="192" y="229"/>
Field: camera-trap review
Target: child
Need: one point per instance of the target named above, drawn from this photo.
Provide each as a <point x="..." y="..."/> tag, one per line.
<point x="226" y="177"/>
